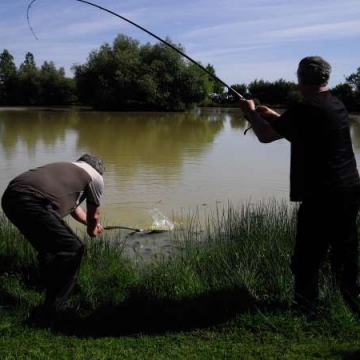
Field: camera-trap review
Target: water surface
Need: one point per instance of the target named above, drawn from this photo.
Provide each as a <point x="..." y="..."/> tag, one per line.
<point x="158" y="165"/>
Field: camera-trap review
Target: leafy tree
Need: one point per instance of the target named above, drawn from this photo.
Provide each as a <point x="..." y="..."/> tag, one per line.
<point x="55" y="88"/>
<point x="163" y="66"/>
<point x="278" y="92"/>
<point x="284" y="92"/>
<point x="346" y="94"/>
<point x="260" y="89"/>
<point x="29" y="86"/>
<point x="8" y="79"/>
<point x="242" y="89"/>
<point x="106" y="80"/>
<point x="193" y="88"/>
<point x="127" y="74"/>
<point x="175" y="83"/>
<point x="354" y="81"/>
<point x="217" y="90"/>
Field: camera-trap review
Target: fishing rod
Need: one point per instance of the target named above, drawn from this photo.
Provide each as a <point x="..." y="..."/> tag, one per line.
<point x="233" y="91"/>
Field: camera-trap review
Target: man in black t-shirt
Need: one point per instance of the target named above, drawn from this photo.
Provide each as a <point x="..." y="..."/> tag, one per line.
<point x="36" y="202"/>
<point x="323" y="178"/>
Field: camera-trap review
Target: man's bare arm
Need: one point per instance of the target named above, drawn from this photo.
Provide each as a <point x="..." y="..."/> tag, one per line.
<point x="89" y="218"/>
<point x="79" y="215"/>
<point x="92" y="218"/>
<point x="260" y="121"/>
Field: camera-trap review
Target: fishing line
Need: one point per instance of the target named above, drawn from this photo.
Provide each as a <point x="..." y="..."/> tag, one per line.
<point x="233" y="91"/>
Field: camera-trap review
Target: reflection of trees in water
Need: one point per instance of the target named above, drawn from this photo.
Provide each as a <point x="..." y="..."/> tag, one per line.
<point x="234" y="115"/>
<point x="130" y="140"/>
<point x="31" y="128"/>
<point x="238" y="121"/>
<point x="158" y="141"/>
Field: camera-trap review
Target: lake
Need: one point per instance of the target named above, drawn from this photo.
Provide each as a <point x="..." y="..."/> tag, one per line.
<point x="159" y="166"/>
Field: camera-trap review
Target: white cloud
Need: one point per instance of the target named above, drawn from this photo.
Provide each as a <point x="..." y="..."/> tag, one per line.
<point x="319" y="31"/>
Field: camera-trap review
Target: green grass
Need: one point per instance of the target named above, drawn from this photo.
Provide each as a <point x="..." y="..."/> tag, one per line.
<point x="224" y="295"/>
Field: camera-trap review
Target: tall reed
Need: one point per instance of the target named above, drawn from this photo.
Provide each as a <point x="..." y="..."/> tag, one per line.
<point x="235" y="247"/>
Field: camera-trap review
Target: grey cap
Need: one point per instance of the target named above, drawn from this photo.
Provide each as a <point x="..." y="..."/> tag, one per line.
<point x="94" y="161"/>
<point x="314" y="70"/>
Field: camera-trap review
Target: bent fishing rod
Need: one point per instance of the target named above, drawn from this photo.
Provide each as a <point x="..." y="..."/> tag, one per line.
<point x="233" y="91"/>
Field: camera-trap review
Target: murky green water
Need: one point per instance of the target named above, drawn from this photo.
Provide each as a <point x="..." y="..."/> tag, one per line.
<point x="158" y="165"/>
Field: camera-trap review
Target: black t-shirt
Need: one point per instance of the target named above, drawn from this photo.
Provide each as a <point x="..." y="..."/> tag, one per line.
<point x="322" y="157"/>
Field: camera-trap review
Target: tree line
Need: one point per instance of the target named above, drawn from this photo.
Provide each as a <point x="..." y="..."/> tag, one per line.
<point x="130" y="75"/>
<point x="284" y="93"/>
<point x="33" y="85"/>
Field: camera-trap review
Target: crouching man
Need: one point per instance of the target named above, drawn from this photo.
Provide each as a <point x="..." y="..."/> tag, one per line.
<point x="36" y="202"/>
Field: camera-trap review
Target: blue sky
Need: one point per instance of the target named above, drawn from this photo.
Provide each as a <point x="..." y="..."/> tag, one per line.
<point x="244" y="40"/>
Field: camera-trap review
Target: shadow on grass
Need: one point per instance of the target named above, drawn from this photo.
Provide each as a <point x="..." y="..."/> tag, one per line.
<point x="142" y="314"/>
<point x="348" y="354"/>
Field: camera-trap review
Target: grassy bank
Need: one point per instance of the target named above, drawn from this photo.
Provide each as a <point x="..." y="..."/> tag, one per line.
<point x="224" y="294"/>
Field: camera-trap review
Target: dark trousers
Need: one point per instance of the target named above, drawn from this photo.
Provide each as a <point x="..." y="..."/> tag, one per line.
<point x="60" y="250"/>
<point x="326" y="224"/>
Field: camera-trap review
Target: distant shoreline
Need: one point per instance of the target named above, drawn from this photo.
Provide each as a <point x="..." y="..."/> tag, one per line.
<point x="353" y="115"/>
